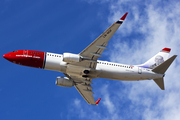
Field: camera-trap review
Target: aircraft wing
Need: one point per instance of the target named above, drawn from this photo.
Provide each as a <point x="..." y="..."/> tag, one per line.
<point x="89" y="60"/>
<point x="86" y="92"/>
<point x="92" y="52"/>
<point x="83" y="86"/>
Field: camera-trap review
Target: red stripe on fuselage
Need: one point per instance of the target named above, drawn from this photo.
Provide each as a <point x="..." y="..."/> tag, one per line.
<point x="29" y="58"/>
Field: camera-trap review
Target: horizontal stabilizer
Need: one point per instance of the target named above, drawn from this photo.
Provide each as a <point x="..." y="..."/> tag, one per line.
<point x="164" y="66"/>
<point x="160" y="83"/>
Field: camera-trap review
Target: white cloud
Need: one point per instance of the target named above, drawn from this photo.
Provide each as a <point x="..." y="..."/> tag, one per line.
<point x="159" y="30"/>
<point x="77" y="102"/>
<point x="107" y="102"/>
<point x="149" y="27"/>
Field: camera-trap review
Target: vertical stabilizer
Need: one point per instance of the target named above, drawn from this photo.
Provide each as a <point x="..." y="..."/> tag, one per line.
<point x="157" y="59"/>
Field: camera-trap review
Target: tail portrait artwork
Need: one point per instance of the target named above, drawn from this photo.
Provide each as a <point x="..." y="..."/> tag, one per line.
<point x="156" y="60"/>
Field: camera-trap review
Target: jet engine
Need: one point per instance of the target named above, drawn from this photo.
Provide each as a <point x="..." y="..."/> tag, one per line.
<point x="64" y="82"/>
<point x="70" y="58"/>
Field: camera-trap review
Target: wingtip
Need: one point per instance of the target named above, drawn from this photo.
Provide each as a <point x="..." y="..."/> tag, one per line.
<point x="124" y="16"/>
<point x="97" y="102"/>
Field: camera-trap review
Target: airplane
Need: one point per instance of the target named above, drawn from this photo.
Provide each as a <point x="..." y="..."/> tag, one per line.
<point x="80" y="69"/>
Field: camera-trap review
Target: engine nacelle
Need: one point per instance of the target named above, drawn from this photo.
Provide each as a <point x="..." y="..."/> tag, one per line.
<point x="70" y="58"/>
<point x="64" y="82"/>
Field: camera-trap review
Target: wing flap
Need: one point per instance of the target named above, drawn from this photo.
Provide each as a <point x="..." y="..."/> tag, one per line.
<point x="83" y="86"/>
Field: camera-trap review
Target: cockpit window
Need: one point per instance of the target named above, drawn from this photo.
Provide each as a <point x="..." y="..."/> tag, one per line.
<point x="15" y="51"/>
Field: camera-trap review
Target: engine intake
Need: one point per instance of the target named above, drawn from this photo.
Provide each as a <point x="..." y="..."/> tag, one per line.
<point x="70" y="58"/>
<point x="64" y="82"/>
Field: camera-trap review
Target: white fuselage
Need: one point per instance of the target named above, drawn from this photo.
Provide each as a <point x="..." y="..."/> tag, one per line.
<point x="104" y="69"/>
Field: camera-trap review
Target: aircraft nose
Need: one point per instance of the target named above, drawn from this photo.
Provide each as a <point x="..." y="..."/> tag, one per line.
<point x="7" y="56"/>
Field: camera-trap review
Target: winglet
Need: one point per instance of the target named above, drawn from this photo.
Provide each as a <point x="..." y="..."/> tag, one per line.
<point x="97" y="102"/>
<point x="124" y="16"/>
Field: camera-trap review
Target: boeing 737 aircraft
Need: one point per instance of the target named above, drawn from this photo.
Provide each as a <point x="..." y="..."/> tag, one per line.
<point x="81" y="68"/>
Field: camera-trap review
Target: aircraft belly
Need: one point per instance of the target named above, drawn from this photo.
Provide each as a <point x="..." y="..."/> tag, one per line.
<point x="125" y="74"/>
<point x="115" y="74"/>
<point x="78" y="71"/>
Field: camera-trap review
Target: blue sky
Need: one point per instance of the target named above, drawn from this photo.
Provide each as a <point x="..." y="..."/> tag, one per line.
<point x="70" y="26"/>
